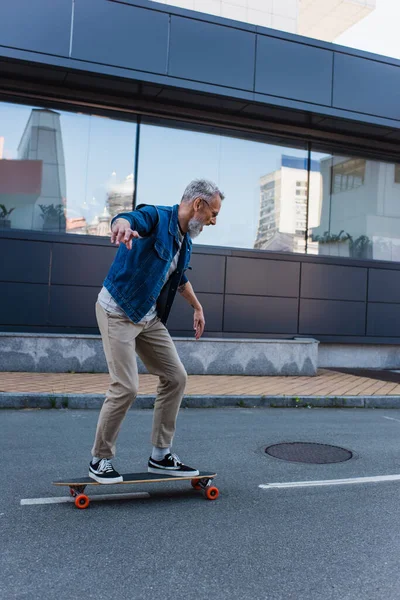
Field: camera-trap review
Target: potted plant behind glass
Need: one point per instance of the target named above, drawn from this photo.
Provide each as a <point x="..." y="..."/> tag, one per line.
<point x="333" y="244"/>
<point x="5" y="223"/>
<point x="53" y="217"/>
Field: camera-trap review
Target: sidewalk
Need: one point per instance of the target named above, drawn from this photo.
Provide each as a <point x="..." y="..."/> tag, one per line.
<point x="85" y="390"/>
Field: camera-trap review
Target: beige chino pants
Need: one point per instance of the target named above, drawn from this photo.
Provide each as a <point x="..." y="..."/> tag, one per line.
<point x="122" y="340"/>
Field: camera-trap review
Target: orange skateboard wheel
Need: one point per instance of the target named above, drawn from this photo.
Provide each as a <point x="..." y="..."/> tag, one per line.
<point x="212" y="493"/>
<point x="82" y="501"/>
<point x="195" y="484"/>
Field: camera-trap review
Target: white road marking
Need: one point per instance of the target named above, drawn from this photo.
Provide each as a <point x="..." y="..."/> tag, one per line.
<point x="392" y="419"/>
<point x="63" y="499"/>
<point x="354" y="480"/>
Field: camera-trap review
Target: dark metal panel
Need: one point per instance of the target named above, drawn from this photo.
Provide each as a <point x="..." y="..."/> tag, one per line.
<point x="212" y="54"/>
<point x="188" y="12"/>
<point x="81" y="265"/>
<point x="307" y="258"/>
<point x="262" y="277"/>
<point x="252" y="314"/>
<point x="205" y="100"/>
<point x="24" y="304"/>
<point x="27" y="262"/>
<point x="293" y="70"/>
<point x="350" y="127"/>
<point x="120" y="35"/>
<point x="383" y="319"/>
<point x="73" y="306"/>
<point x="88" y="266"/>
<point x="98" y="84"/>
<point x="331" y="317"/>
<point x="181" y="317"/>
<point x="366" y="86"/>
<point x="383" y="286"/>
<point x="207" y="274"/>
<point x="36" y="25"/>
<point x="332" y="282"/>
<point x="274" y="113"/>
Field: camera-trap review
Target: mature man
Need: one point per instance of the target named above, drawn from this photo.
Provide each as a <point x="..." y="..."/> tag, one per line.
<point x="155" y="245"/>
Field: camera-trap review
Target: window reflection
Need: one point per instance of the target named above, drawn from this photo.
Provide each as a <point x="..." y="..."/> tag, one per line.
<point x="71" y="173"/>
<point x="63" y="172"/>
<point x="355" y="209"/>
<point x="348" y="174"/>
<point x="261" y="209"/>
<point x="283" y="208"/>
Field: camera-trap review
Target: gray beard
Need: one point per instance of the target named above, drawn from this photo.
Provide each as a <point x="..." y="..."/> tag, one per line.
<point x="194" y="228"/>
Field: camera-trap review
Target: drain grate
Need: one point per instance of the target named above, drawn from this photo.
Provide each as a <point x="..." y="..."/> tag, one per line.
<point x="305" y="452"/>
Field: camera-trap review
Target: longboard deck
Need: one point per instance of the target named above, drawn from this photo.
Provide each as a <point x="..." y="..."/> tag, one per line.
<point x="131" y="478"/>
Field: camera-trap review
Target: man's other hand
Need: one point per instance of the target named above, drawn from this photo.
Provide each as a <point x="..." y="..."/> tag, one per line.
<point x="198" y="323"/>
<point x="121" y="232"/>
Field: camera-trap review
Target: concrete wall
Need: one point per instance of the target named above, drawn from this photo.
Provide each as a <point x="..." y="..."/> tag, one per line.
<point x="53" y="353"/>
<point x="82" y="354"/>
<point x="359" y="356"/>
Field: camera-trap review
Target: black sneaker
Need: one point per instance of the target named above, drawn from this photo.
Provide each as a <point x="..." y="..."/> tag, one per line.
<point x="171" y="465"/>
<point x="102" y="471"/>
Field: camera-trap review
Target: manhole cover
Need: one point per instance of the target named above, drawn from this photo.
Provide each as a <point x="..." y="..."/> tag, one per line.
<point x="305" y="452"/>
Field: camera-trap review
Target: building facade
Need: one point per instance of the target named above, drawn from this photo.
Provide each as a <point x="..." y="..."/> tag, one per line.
<point x="283" y="103"/>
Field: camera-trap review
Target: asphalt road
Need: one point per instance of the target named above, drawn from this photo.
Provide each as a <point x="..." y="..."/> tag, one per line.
<point x="318" y="543"/>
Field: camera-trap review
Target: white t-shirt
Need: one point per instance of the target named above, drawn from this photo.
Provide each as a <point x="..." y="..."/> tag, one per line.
<point x="110" y="305"/>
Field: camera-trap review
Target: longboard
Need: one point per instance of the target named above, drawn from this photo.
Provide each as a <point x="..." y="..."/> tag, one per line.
<point x="202" y="481"/>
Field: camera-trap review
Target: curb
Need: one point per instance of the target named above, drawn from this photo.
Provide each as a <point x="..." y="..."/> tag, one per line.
<point x="20" y="400"/>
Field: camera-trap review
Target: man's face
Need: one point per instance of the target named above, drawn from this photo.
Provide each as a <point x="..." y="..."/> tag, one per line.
<point x="205" y="213"/>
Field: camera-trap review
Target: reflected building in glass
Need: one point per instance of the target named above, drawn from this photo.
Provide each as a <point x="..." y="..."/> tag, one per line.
<point x="33" y="186"/>
<point x="100" y="225"/>
<point x="282" y="221"/>
<point x="42" y="141"/>
<point x="360" y="209"/>
<point x="120" y="195"/>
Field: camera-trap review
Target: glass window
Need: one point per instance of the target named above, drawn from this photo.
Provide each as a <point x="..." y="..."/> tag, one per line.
<point x="258" y="179"/>
<point x="354" y="208"/>
<point x="348" y="174"/>
<point x="63" y="172"/>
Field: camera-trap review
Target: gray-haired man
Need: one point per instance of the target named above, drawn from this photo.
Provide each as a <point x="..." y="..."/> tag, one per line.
<point x="155" y="245"/>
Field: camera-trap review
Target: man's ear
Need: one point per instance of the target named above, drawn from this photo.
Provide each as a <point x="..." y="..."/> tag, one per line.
<point x="196" y="204"/>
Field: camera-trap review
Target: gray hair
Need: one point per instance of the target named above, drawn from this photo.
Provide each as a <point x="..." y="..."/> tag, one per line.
<point x="201" y="188"/>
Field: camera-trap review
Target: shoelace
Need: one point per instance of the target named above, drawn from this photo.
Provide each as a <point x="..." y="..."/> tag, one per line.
<point x="105" y="466"/>
<point x="176" y="459"/>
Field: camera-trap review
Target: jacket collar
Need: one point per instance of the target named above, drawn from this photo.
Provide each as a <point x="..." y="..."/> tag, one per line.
<point x="173" y="226"/>
<point x="173" y="220"/>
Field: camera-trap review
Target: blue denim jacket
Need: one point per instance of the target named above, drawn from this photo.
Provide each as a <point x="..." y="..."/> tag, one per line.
<point x="136" y="277"/>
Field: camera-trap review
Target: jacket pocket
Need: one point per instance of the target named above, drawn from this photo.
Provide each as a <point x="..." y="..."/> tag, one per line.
<point x="161" y="250"/>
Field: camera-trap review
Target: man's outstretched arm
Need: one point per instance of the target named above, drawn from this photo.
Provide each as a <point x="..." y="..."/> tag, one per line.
<point x="128" y="226"/>
<point x="186" y="290"/>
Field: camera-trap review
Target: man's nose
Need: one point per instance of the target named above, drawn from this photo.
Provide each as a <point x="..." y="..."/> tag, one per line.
<point x="213" y="221"/>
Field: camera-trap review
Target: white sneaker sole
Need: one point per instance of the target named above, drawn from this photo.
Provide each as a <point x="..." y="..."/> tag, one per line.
<point x="105" y="481"/>
<point x="172" y="473"/>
